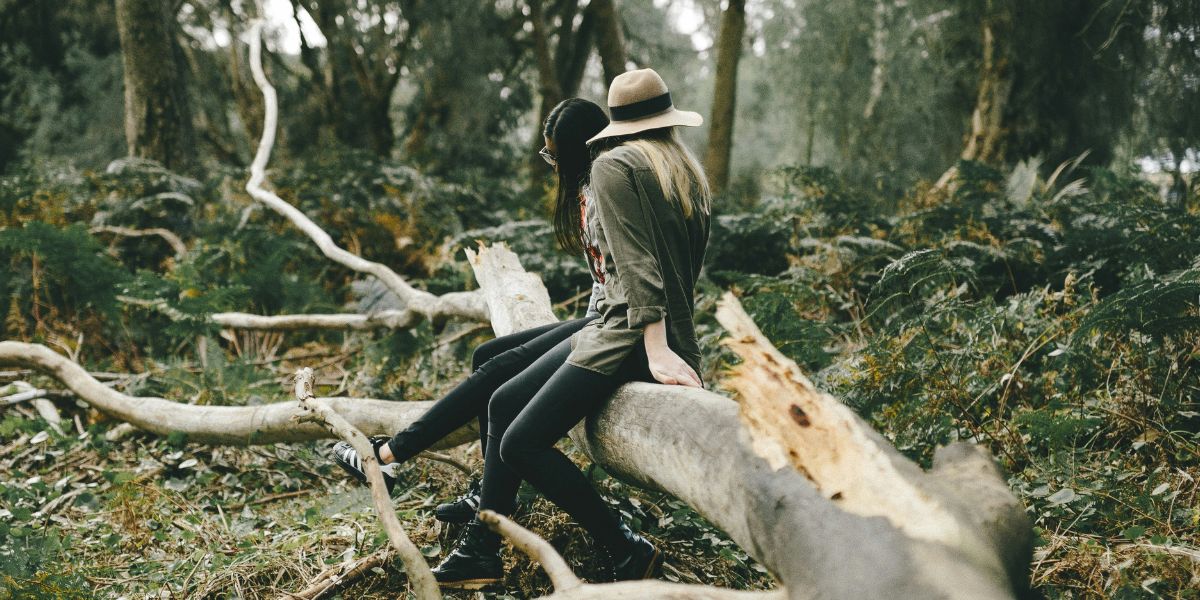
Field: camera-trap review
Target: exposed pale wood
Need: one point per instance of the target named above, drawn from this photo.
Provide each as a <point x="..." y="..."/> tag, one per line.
<point x="320" y="411"/>
<point x="517" y="300"/>
<point x="792" y="424"/>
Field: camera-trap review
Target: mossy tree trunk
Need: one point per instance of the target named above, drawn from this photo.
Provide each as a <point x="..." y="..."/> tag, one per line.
<point x="720" y="131"/>
<point x="158" y="115"/>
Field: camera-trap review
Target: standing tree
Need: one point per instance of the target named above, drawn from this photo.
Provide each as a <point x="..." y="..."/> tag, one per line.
<point x="368" y="44"/>
<point x="720" y="132"/>
<point x="560" y="69"/>
<point x="610" y="40"/>
<point x="158" y="117"/>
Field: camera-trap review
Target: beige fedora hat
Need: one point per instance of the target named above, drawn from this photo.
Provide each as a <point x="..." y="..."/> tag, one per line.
<point x="639" y="100"/>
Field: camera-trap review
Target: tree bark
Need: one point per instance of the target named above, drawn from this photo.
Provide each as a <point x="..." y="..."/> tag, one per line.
<point x="610" y="38"/>
<point x="720" y="129"/>
<point x="549" y="91"/>
<point x="984" y="142"/>
<point x="158" y="116"/>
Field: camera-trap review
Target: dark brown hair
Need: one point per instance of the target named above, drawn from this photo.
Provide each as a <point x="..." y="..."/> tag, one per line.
<point x="570" y="124"/>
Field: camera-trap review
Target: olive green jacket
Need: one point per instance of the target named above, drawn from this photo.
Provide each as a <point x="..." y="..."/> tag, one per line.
<point x="649" y="257"/>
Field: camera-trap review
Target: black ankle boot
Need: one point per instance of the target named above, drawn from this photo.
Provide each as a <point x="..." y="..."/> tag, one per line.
<point x="641" y="559"/>
<point x="475" y="561"/>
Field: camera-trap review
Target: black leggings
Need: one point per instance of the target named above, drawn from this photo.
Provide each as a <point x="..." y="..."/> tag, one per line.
<point x="493" y="363"/>
<point x="529" y="414"/>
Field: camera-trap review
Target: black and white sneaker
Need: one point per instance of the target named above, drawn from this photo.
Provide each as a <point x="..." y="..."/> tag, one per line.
<point x="463" y="508"/>
<point x="347" y="458"/>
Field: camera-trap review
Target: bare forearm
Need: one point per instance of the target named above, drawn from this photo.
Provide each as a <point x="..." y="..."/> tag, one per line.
<point x="655" y="337"/>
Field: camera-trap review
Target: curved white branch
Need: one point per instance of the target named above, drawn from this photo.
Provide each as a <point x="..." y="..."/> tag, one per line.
<point x="467" y="305"/>
<point x="386" y="319"/>
<point x="166" y="234"/>
<point x="561" y="575"/>
<point x="233" y="425"/>
<point x="419" y="574"/>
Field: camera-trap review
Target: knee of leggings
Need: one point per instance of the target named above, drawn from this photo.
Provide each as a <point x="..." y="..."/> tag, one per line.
<point x="502" y="408"/>
<point x="483" y="353"/>
<point x="514" y="452"/>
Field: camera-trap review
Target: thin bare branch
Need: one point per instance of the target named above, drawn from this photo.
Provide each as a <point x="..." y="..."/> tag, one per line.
<point x="535" y="547"/>
<point x="465" y="305"/>
<point x="419" y="575"/>
<point x="232" y="425"/>
<point x="387" y="319"/>
<point x="166" y="234"/>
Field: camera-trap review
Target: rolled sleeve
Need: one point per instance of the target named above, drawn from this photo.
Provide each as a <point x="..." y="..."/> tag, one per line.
<point x="627" y="221"/>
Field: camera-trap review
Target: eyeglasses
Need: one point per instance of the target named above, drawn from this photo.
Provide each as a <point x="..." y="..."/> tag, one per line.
<point x="546" y="156"/>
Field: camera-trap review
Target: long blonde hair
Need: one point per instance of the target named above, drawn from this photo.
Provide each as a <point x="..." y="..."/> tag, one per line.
<point x="679" y="173"/>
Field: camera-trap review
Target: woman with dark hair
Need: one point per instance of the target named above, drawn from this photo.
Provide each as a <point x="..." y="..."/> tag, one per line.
<point x="646" y="224"/>
<point x="494" y="362"/>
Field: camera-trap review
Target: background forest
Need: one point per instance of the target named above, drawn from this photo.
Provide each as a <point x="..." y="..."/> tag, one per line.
<point x="966" y="219"/>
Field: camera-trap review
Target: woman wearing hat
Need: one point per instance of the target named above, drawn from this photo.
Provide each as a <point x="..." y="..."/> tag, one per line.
<point x="646" y="224"/>
<point x="567" y="129"/>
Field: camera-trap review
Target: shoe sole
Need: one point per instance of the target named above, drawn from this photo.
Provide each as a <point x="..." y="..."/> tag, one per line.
<point x="361" y="477"/>
<point x="358" y="476"/>
<point x="655" y="562"/>
<point x="469" y="584"/>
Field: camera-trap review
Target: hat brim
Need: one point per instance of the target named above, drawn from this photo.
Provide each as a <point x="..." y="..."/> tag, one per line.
<point x="668" y="118"/>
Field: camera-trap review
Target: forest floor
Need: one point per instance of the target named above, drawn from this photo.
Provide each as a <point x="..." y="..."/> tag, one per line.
<point x="153" y="517"/>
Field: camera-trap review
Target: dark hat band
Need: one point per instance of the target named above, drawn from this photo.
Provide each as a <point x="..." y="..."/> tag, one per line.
<point x="643" y="108"/>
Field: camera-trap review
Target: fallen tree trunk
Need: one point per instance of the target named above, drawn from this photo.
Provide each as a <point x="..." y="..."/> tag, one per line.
<point x="690" y="443"/>
<point x="833" y="510"/>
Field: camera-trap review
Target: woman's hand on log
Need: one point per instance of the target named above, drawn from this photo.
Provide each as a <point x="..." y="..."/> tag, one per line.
<point x="665" y="365"/>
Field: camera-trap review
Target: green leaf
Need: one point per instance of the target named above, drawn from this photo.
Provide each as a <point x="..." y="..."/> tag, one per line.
<point x="1133" y="532"/>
